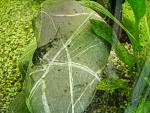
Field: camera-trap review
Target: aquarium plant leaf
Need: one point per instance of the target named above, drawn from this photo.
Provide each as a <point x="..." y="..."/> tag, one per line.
<point x="147" y="80"/>
<point x="140" y="30"/>
<point x="143" y="106"/>
<point x="26" y="58"/>
<point x="111" y="84"/>
<point x="139" y="8"/>
<point x="100" y="9"/>
<point x="70" y="59"/>
<point x="103" y="30"/>
<point x="19" y="104"/>
<point x="140" y="85"/>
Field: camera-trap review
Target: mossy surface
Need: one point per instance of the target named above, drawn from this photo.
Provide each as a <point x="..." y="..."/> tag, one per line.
<point x="15" y="34"/>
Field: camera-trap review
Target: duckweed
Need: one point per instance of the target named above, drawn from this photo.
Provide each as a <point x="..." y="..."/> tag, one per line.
<point x="15" y="34"/>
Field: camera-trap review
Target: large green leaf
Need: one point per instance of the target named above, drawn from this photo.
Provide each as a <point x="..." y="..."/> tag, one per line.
<point x="99" y="8"/>
<point x="103" y="30"/>
<point x="141" y="88"/>
<point x="67" y="68"/>
<point x="140" y="30"/>
<point x="139" y="8"/>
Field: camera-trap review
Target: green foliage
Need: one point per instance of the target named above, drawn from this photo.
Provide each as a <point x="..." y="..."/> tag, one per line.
<point x="103" y="30"/>
<point x="15" y="34"/>
<point x="140" y="30"/>
<point x="26" y="58"/>
<point x="139" y="8"/>
<point x="100" y="9"/>
<point x="137" y="29"/>
<point x="19" y="104"/>
<point x="111" y="84"/>
<point x="147" y="80"/>
<point x="143" y="107"/>
<point x="40" y="1"/>
<point x="136" y="20"/>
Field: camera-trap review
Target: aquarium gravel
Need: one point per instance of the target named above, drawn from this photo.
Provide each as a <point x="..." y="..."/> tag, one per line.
<point x="15" y="34"/>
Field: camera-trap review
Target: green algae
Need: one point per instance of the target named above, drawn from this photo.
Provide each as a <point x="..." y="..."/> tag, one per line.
<point x="15" y="34"/>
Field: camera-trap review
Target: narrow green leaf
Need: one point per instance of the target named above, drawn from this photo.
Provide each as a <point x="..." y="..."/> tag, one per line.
<point x="147" y="80"/>
<point x="26" y="58"/>
<point x="99" y="8"/>
<point x="143" y="106"/>
<point x="139" y="8"/>
<point x="123" y="53"/>
<point x="106" y="32"/>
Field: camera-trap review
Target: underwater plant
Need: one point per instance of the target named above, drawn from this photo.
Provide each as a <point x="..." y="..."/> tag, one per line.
<point x="63" y="65"/>
<point x="137" y="26"/>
